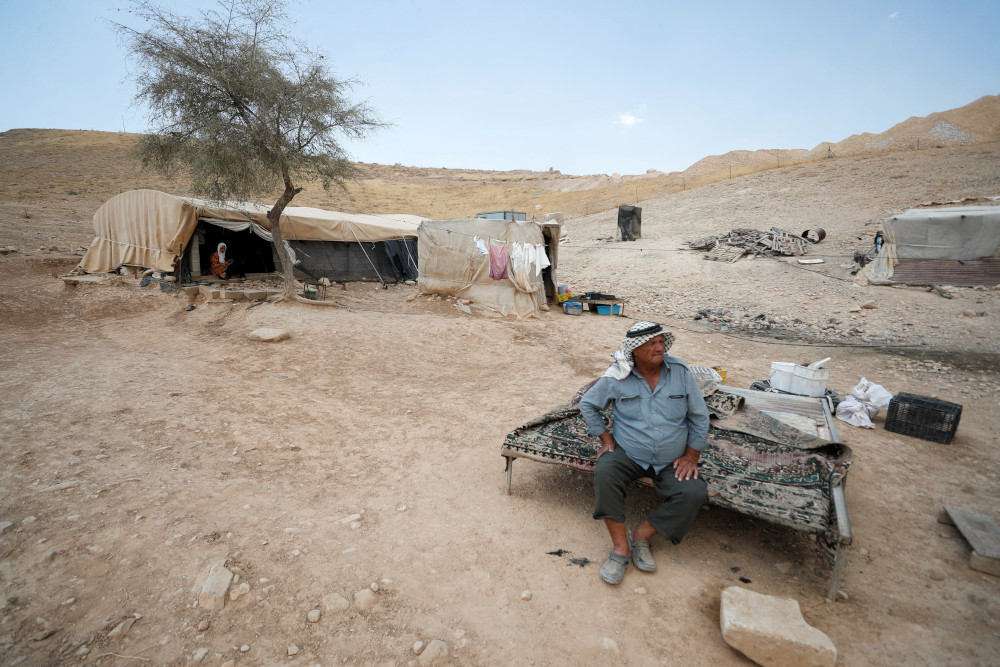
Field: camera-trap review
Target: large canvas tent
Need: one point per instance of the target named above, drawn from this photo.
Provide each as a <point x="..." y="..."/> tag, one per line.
<point x="452" y="264"/>
<point x="955" y="245"/>
<point x="147" y="228"/>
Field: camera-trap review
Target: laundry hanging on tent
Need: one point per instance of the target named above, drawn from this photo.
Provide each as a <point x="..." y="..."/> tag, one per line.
<point x="481" y="245"/>
<point x="541" y="260"/>
<point x="498" y="261"/>
<point x="521" y="259"/>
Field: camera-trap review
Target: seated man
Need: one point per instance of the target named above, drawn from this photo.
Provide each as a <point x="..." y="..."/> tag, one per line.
<point x="225" y="268"/>
<point x="660" y="426"/>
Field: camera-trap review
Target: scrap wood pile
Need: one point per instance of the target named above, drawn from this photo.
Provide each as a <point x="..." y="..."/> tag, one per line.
<point x="740" y="241"/>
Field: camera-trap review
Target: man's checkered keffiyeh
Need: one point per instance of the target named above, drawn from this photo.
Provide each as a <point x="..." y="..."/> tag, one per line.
<point x="623" y="357"/>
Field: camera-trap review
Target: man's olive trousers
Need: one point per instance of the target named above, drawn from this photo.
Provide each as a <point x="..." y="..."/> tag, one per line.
<point x="681" y="499"/>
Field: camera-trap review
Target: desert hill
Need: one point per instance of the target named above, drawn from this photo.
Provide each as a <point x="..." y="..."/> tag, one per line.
<point x="975" y="123"/>
<point x="978" y="122"/>
<point x="60" y="165"/>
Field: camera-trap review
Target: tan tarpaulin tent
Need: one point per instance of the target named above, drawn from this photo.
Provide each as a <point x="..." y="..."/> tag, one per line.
<point x="955" y="233"/>
<point x="151" y="229"/>
<point x="451" y="264"/>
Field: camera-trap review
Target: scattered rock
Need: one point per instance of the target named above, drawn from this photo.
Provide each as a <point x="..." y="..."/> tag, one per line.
<point x="68" y="602"/>
<point x="525" y="595"/>
<point x="936" y="575"/>
<point x="240" y="590"/>
<point x="199" y="655"/>
<point x="293" y="649"/>
<point x="244" y="648"/>
<point x="639" y="590"/>
<point x="609" y="644"/>
<point x="771" y="630"/>
<point x="269" y="335"/>
<point x="364" y="598"/>
<point x="351" y="519"/>
<point x="335" y="602"/>
<point x="229" y="663"/>
<point x="4" y="525"/>
<point x="436" y="650"/>
<point x="314" y="615"/>
<point x="122" y="628"/>
<point x="61" y="486"/>
<point x="52" y="553"/>
<point x="418" y="646"/>
<point x="203" y="625"/>
<point x="213" y="591"/>
<point x="869" y="305"/>
<point x="28" y="519"/>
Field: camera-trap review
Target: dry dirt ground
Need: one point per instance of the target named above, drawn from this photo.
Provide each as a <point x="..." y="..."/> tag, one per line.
<point x="184" y="444"/>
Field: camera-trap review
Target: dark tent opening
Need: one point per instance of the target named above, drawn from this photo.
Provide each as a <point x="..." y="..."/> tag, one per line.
<point x="341" y="261"/>
<point x="255" y="253"/>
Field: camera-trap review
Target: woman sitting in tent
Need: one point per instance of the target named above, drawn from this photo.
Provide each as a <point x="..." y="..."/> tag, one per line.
<point x="225" y="268"/>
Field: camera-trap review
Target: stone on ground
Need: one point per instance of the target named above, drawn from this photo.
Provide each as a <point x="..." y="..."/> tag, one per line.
<point x="435" y="650"/>
<point x="364" y="598"/>
<point x="335" y="602"/>
<point x="771" y="631"/>
<point x="269" y="335"/>
<point x="213" y="591"/>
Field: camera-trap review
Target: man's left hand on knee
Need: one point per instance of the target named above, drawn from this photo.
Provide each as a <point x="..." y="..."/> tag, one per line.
<point x="686" y="466"/>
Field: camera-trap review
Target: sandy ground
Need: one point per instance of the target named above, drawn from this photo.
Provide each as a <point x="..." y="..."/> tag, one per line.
<point x="188" y="444"/>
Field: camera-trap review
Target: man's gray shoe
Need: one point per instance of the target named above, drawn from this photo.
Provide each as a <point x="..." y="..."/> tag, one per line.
<point x="613" y="569"/>
<point x="641" y="556"/>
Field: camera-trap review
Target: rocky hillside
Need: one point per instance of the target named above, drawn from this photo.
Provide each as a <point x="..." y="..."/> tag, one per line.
<point x="87" y="168"/>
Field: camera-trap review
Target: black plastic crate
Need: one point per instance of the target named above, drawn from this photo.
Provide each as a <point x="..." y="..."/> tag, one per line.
<point x="923" y="417"/>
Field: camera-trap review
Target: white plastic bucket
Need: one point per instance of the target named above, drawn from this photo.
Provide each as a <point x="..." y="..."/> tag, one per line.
<point x="799" y="380"/>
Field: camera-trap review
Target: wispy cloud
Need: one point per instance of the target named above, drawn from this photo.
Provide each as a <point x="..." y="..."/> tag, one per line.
<point x="627" y="119"/>
<point x="893" y="16"/>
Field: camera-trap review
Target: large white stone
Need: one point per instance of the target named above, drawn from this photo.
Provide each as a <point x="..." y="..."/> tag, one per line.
<point x="213" y="591"/>
<point x="269" y="335"/>
<point x="771" y="631"/>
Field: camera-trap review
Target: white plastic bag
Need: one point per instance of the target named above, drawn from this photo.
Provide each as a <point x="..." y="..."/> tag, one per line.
<point x="865" y="401"/>
<point x="854" y="412"/>
<point x="874" y="396"/>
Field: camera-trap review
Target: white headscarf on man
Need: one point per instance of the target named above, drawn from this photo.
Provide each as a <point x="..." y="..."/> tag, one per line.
<point x="638" y="333"/>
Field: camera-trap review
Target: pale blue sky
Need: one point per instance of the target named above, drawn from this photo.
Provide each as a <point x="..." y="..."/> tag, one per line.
<point x="584" y="87"/>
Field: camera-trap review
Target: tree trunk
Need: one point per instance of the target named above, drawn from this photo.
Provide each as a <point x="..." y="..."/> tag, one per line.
<point x="274" y="218"/>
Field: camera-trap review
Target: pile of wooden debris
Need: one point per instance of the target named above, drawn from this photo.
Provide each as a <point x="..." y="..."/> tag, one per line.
<point x="740" y="242"/>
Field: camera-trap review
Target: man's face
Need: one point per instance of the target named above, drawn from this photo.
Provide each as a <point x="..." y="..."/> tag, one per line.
<point x="651" y="352"/>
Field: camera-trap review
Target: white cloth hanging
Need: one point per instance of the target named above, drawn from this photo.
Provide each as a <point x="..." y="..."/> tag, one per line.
<point x="481" y="245"/>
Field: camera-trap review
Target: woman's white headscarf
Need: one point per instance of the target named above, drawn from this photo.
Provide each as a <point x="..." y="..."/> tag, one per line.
<point x="222" y="253"/>
<point x="638" y="333"/>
